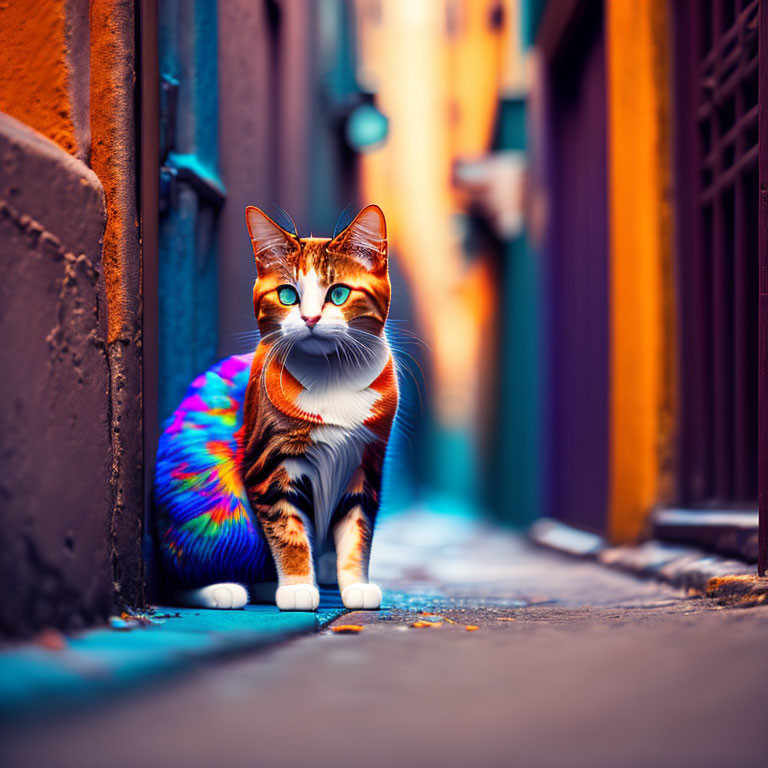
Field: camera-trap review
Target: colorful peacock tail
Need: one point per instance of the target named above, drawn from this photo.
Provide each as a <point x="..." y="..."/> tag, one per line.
<point x="205" y="526"/>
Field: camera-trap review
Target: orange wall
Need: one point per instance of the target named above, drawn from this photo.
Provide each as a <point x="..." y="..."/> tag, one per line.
<point x="642" y="319"/>
<point x="34" y="72"/>
<point x="438" y="84"/>
<point x="35" y="78"/>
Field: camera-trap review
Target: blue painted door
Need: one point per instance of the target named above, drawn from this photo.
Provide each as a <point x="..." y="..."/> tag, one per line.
<point x="191" y="195"/>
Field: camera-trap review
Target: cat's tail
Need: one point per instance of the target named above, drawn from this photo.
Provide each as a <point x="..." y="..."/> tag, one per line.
<point x="206" y="530"/>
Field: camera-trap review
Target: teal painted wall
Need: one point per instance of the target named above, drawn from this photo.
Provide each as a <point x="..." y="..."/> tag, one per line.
<point x="515" y="485"/>
<point x="188" y="264"/>
<point x="531" y="13"/>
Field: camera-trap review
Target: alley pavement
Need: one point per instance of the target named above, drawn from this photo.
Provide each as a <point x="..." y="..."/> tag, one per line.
<point x="488" y="652"/>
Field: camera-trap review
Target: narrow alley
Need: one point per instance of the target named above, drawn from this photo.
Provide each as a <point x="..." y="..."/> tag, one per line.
<point x="474" y="292"/>
<point x="569" y="658"/>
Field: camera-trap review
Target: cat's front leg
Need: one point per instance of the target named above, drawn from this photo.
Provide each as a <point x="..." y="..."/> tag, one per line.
<point x="352" y="534"/>
<point x="287" y="531"/>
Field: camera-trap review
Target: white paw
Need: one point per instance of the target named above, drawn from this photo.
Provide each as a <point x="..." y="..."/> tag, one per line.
<point x="226" y="595"/>
<point x="297" y="597"/>
<point x="361" y="596"/>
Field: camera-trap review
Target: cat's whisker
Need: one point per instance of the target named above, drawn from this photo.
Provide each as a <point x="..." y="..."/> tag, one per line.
<point x="355" y="350"/>
<point x="346" y="345"/>
<point x="274" y="350"/>
<point x="291" y="345"/>
<point x="413" y="337"/>
<point x="247" y="336"/>
<point x="357" y="354"/>
<point x="344" y="349"/>
<point x="401" y="371"/>
<point x="401" y="366"/>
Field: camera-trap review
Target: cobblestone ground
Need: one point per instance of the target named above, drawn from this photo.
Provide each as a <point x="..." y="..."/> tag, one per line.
<point x="570" y="665"/>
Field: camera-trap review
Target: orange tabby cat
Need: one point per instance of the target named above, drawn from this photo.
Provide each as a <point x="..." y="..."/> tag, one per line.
<point x="273" y="461"/>
<point x="320" y="402"/>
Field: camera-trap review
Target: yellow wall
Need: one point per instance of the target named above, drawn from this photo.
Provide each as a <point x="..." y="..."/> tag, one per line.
<point x="437" y="67"/>
<point x="642" y="320"/>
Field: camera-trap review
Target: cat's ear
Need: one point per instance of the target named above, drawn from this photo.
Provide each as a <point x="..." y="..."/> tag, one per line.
<point x="365" y="239"/>
<point x="271" y="243"/>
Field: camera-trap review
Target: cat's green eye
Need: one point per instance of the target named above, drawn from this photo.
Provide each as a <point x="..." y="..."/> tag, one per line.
<point x="338" y="294"/>
<point x="287" y="295"/>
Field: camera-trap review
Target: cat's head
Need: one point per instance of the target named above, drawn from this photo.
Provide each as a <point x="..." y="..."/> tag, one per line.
<point x="321" y="294"/>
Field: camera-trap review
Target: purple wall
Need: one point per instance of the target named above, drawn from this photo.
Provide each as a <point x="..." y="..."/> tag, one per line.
<point x="577" y="273"/>
<point x="264" y="99"/>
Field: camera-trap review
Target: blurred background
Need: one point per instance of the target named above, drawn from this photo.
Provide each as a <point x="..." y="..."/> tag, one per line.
<point x="571" y="189"/>
<point x="320" y="108"/>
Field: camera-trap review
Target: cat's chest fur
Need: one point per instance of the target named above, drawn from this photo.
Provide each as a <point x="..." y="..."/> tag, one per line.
<point x="343" y="402"/>
<point x="328" y="463"/>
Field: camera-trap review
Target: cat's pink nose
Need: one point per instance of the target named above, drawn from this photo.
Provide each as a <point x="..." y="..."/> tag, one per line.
<point x="310" y="321"/>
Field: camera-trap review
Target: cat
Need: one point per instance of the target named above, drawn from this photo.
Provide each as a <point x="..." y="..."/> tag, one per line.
<point x="271" y="466"/>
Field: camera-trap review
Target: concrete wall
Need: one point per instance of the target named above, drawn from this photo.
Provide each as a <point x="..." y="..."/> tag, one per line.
<point x="113" y="158"/>
<point x="71" y="461"/>
<point x="54" y="393"/>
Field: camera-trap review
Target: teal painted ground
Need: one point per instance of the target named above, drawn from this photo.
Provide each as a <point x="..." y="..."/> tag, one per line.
<point x="100" y="662"/>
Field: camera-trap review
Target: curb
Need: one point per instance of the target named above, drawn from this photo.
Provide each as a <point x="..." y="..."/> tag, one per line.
<point x="700" y="573"/>
<point x="58" y="673"/>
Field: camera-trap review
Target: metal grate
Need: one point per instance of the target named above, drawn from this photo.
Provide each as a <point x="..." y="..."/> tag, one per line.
<point x="717" y="143"/>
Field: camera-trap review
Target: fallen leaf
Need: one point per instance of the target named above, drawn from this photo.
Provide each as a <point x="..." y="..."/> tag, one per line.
<point x="505" y="618"/>
<point x="424" y="624"/>
<point x="52" y="640"/>
<point x="141" y="619"/>
<point x="351" y="629"/>
<point x="471" y="627"/>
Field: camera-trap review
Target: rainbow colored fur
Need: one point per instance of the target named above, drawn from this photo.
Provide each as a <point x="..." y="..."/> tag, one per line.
<point x="208" y="533"/>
